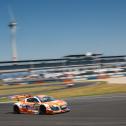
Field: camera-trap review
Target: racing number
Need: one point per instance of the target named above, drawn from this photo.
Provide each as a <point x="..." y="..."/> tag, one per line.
<point x="36" y="106"/>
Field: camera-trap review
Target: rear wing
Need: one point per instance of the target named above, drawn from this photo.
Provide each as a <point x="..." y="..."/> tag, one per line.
<point x="19" y="97"/>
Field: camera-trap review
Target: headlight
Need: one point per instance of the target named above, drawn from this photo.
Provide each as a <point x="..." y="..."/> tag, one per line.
<point x="54" y="108"/>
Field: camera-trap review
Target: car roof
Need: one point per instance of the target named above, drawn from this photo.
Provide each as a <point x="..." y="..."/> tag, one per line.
<point x="41" y="96"/>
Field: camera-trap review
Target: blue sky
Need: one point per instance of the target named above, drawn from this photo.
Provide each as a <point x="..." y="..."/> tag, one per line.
<point x="54" y="28"/>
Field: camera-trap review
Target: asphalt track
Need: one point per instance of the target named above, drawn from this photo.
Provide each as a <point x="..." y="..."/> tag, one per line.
<point x="108" y="110"/>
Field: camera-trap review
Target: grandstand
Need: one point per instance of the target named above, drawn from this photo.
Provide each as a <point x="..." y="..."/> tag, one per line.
<point x="69" y="60"/>
<point x="81" y="65"/>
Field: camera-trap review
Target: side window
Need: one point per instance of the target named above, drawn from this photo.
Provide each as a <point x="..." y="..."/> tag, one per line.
<point x="32" y="100"/>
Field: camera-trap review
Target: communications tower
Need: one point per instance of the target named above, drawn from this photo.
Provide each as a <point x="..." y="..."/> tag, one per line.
<point x="12" y="26"/>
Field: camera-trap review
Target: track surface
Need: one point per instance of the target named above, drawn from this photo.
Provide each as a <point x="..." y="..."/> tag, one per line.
<point x="108" y="110"/>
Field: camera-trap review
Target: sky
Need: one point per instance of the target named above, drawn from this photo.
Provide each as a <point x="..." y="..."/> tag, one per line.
<point x="55" y="28"/>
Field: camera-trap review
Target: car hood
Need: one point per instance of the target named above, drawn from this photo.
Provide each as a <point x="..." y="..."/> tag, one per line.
<point x="56" y="103"/>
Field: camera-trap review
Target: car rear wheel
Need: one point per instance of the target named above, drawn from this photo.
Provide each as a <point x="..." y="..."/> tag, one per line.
<point x="16" y="109"/>
<point x="42" y="110"/>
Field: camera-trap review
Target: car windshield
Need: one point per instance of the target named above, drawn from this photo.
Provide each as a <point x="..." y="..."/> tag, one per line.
<point x="47" y="99"/>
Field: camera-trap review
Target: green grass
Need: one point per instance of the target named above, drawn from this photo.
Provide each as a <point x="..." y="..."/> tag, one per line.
<point x="28" y="90"/>
<point x="99" y="89"/>
<point x="92" y="90"/>
<point x="4" y="99"/>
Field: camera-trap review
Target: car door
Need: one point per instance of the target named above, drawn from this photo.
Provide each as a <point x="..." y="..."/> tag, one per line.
<point x="30" y="105"/>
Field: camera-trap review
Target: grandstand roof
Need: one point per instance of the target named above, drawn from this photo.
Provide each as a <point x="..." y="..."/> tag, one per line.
<point x="81" y="55"/>
<point x="65" y="58"/>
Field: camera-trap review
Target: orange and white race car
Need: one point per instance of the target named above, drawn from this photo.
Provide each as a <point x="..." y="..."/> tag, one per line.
<point x="40" y="104"/>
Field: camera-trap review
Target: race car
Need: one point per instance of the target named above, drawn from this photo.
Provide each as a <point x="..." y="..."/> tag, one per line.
<point x="40" y="104"/>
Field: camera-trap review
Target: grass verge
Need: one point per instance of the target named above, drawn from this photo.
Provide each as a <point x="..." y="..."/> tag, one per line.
<point x="92" y="90"/>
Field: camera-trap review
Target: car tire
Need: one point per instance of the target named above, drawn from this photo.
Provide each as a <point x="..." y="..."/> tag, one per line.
<point x="16" y="109"/>
<point x="42" y="110"/>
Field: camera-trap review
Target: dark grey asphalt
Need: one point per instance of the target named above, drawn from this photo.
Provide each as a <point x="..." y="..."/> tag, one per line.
<point x="85" y="111"/>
